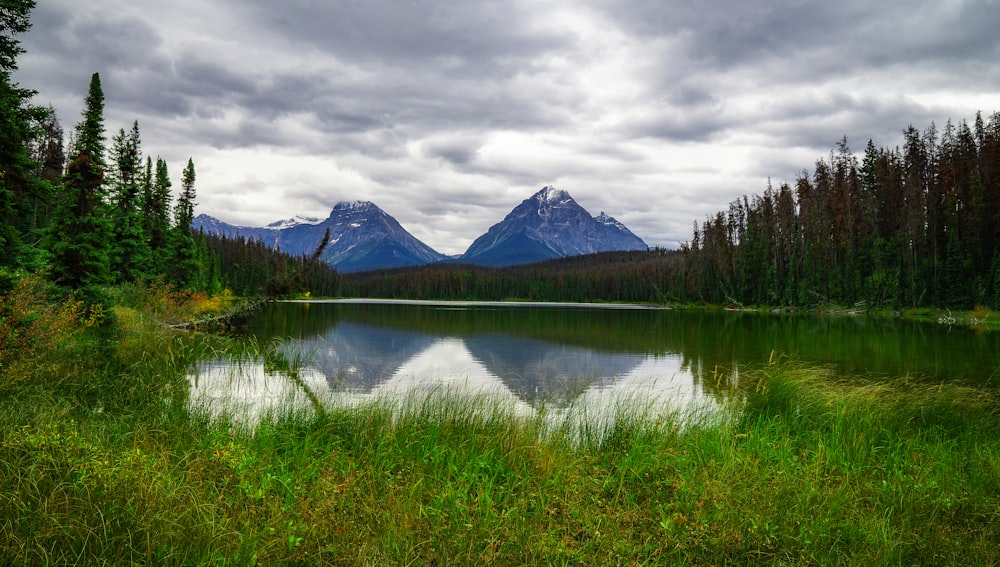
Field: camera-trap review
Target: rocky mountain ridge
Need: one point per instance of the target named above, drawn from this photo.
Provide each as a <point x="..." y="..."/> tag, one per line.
<point x="549" y="224"/>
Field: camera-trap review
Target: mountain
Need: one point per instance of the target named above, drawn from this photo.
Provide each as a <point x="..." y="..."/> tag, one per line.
<point x="212" y="225"/>
<point x="294" y="221"/>
<point x="362" y="237"/>
<point x="549" y="224"/>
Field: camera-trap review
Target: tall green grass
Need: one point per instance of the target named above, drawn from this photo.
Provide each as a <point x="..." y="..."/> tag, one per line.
<point x="806" y="469"/>
<point x="832" y="476"/>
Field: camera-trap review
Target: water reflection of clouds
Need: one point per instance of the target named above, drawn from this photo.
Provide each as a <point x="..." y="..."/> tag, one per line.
<point x="245" y="391"/>
<point x="657" y="388"/>
<point x="653" y="386"/>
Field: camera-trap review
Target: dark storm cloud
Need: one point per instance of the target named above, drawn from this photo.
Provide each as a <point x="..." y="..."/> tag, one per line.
<point x="478" y="38"/>
<point x="727" y="33"/>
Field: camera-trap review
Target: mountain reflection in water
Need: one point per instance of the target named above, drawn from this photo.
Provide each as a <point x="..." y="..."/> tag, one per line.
<point x="350" y="362"/>
<point x="561" y="356"/>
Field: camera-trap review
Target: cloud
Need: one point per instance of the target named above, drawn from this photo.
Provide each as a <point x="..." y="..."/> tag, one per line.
<point x="448" y="114"/>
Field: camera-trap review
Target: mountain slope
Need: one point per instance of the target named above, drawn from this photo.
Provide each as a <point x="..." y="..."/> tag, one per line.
<point x="549" y="224"/>
<point x="362" y="237"/>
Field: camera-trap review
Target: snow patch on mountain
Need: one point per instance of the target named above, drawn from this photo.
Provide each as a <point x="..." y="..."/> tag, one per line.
<point x="551" y="195"/>
<point x="354" y="206"/>
<point x="549" y="224"/>
<point x="362" y="237"/>
<point x="294" y="221"/>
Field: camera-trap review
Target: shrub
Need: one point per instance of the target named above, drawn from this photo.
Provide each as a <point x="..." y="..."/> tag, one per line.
<point x="34" y="329"/>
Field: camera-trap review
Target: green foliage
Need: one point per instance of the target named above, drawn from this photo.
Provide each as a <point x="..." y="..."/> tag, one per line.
<point x="90" y="131"/>
<point x="156" y="207"/>
<point x="916" y="228"/>
<point x="79" y="238"/>
<point x="184" y="212"/>
<point x="632" y="276"/>
<point x="80" y="234"/>
<point x="249" y="268"/>
<point x="17" y="118"/>
<point x="809" y="471"/>
<point x="184" y="265"/>
<point x="34" y="331"/>
<point x="130" y="254"/>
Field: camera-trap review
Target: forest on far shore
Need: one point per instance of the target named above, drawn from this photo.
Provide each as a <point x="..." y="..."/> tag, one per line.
<point x="917" y="226"/>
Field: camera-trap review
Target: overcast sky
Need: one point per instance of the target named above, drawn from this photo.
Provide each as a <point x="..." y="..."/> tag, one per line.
<point x="447" y="114"/>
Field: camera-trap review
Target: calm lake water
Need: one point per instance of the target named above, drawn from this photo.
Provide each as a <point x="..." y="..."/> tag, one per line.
<point x="586" y="358"/>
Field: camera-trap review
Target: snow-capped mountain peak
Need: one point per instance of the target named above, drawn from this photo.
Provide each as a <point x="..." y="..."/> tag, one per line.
<point x="552" y="196"/>
<point x="345" y="206"/>
<point x="294" y="221"/>
<point x="549" y="224"/>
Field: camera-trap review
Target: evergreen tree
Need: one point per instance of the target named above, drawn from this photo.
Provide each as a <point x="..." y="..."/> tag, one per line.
<point x="184" y="212"/>
<point x="90" y="131"/>
<point x="47" y="152"/>
<point x="184" y="268"/>
<point x="16" y="120"/>
<point x="80" y="234"/>
<point x="130" y="254"/>
<point x="156" y="197"/>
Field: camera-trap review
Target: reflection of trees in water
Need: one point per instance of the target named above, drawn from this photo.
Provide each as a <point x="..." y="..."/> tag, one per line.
<point x="713" y="346"/>
<point x="614" y="330"/>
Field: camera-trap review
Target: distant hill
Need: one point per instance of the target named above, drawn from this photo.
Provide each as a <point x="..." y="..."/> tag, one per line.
<point x="549" y="224"/>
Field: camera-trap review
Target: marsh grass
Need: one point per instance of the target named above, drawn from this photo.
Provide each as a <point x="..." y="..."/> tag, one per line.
<point x="805" y="468"/>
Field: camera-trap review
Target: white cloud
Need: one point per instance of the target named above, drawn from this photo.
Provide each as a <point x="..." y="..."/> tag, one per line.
<point x="448" y="114"/>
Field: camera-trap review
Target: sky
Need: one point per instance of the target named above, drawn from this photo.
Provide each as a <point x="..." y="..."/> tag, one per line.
<point x="448" y="113"/>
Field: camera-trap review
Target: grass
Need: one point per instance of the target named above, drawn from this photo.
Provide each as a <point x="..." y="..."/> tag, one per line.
<point x="809" y="470"/>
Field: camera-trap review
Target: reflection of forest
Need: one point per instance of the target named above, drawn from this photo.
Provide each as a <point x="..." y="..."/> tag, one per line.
<point x="552" y="341"/>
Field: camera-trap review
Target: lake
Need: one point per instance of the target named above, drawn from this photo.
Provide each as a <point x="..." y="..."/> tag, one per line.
<point x="588" y="358"/>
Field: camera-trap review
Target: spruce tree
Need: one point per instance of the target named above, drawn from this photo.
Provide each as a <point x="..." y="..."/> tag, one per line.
<point x="156" y="191"/>
<point x="184" y="267"/>
<point x="184" y="213"/>
<point x="80" y="234"/>
<point x="130" y="254"/>
<point x="16" y="129"/>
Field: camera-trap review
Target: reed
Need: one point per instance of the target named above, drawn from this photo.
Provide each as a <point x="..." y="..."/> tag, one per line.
<point x="803" y="469"/>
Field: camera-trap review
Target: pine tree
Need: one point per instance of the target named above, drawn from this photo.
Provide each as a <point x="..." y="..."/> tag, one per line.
<point x="16" y="119"/>
<point x="79" y="236"/>
<point x="184" y="269"/>
<point x="156" y="208"/>
<point x="184" y="213"/>
<point x="46" y="150"/>
<point x="130" y="254"/>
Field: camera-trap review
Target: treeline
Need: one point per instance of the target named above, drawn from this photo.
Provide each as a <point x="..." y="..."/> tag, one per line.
<point x="627" y="276"/>
<point x="917" y="226"/>
<point x="90" y="216"/>
<point x="249" y="268"/>
<point x="912" y="227"/>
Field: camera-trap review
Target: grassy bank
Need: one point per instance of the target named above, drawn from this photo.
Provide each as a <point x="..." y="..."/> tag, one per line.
<point x="102" y="463"/>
